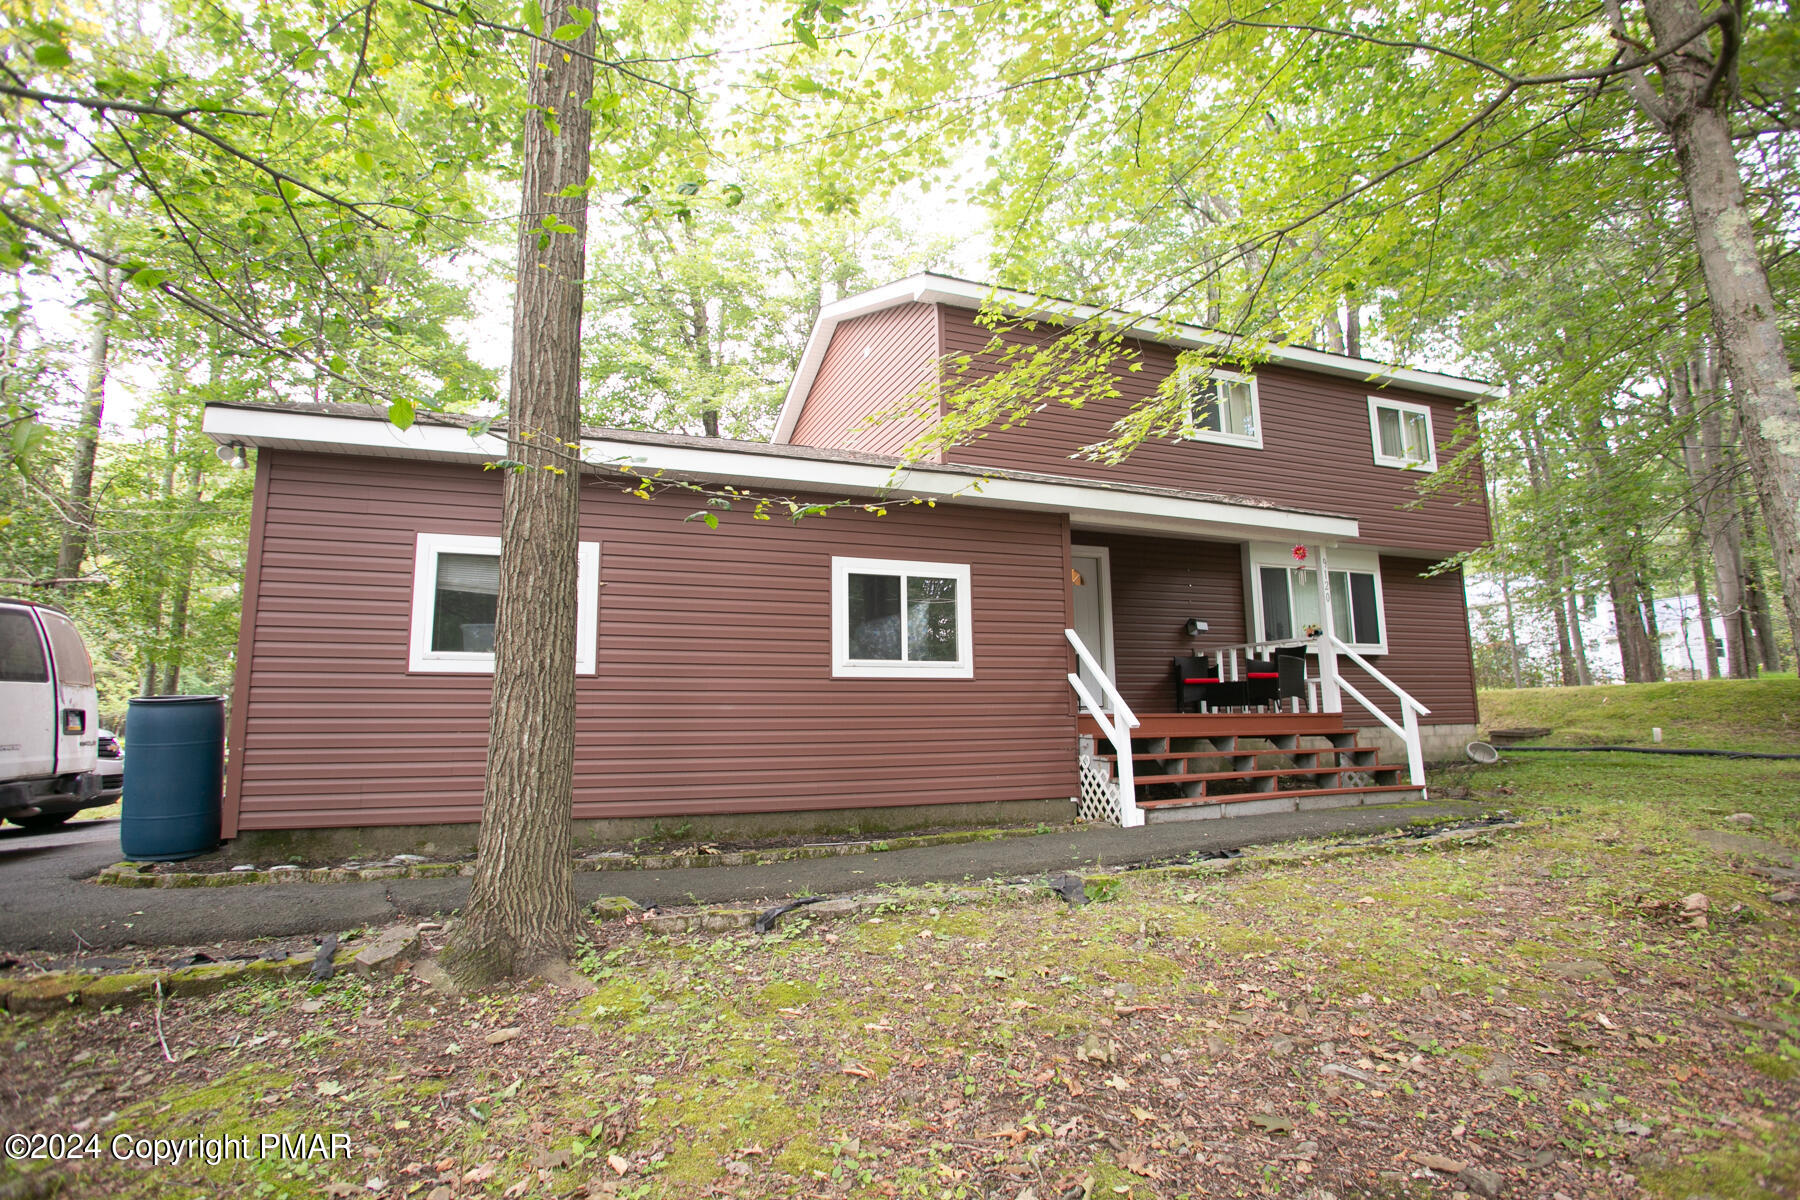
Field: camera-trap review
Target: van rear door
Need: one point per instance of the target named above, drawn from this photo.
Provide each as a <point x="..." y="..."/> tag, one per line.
<point x="77" y="703"/>
<point x="28" y="716"/>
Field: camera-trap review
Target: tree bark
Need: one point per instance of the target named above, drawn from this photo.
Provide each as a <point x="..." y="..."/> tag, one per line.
<point x="79" y="513"/>
<point x="1352" y="326"/>
<point x="1694" y="401"/>
<point x="184" y="589"/>
<point x="522" y="913"/>
<point x="1708" y="639"/>
<point x="1583" y="675"/>
<point x="1694" y="112"/>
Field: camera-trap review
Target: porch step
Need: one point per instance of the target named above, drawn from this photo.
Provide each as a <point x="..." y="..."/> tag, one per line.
<point x="1238" y="763"/>
<point x="1256" y="804"/>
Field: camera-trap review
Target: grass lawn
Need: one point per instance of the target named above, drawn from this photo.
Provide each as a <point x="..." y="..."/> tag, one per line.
<point x="1737" y="714"/>
<point x="1534" y="1008"/>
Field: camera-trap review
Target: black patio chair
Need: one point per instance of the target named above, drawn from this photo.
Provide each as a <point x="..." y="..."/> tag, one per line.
<point x="1198" y="685"/>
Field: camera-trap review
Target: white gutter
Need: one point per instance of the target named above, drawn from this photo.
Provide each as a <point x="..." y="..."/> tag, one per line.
<point x="961" y="293"/>
<point x="1093" y="506"/>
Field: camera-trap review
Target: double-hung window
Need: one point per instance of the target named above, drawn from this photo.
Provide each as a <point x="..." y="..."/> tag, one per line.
<point x="898" y="620"/>
<point x="1401" y="433"/>
<point x="1285" y="597"/>
<point x="456" y="596"/>
<point x="1222" y="407"/>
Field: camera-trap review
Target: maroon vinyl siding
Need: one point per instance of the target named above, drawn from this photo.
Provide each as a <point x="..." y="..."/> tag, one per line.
<point x="1158" y="583"/>
<point x="873" y="365"/>
<point x="1316" y="447"/>
<point x="714" y="691"/>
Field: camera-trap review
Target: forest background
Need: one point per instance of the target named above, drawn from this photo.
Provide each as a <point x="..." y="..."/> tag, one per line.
<point x="214" y="201"/>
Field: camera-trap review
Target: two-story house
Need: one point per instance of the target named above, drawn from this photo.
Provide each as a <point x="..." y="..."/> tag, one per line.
<point x="874" y="670"/>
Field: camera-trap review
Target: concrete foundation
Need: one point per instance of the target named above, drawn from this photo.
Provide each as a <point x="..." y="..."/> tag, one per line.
<point x="1275" y="804"/>
<point x="279" y="845"/>
<point x="1441" y="743"/>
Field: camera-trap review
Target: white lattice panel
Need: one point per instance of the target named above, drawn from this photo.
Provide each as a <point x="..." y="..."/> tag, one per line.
<point x="1099" y="790"/>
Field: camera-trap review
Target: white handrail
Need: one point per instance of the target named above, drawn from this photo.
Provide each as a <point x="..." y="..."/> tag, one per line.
<point x="1117" y="727"/>
<point x="1106" y="684"/>
<point x="1407" y="728"/>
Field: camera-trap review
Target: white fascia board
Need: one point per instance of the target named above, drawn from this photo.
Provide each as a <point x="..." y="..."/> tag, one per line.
<point x="1091" y="506"/>
<point x="961" y="293"/>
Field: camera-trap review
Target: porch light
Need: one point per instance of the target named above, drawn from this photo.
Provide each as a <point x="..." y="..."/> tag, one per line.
<point x="1194" y="627"/>
<point x="232" y="455"/>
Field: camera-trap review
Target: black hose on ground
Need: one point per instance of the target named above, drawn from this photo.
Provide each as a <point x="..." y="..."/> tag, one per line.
<point x="1647" y="750"/>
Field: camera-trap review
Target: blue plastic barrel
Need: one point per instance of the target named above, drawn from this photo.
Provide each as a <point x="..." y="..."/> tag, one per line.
<point x="174" y="776"/>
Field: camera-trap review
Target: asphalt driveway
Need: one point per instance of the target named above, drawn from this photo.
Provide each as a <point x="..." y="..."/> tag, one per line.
<point x="46" y="905"/>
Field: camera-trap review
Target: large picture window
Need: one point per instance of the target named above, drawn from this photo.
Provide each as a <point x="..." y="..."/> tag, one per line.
<point x="1401" y="433"/>
<point x="456" y="595"/>
<point x="1223" y="407"/>
<point x="892" y="619"/>
<point x="1285" y="597"/>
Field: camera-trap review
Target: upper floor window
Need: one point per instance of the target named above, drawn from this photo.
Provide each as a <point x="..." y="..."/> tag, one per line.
<point x="893" y="619"/>
<point x="1401" y="433"/>
<point x="1222" y="407"/>
<point x="456" y="596"/>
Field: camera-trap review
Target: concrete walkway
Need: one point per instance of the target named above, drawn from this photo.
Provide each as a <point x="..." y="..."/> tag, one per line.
<point x="46" y="906"/>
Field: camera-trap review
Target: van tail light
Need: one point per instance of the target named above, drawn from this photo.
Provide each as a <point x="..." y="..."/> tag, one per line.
<point x="74" y="720"/>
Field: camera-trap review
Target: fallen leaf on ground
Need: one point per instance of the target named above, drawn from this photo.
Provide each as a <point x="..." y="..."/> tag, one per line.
<point x="1437" y="1162"/>
<point x="619" y="1165"/>
<point x="858" y="1070"/>
<point x="503" y="1035"/>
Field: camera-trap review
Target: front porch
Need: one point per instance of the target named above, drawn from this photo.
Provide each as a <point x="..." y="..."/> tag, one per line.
<point x="1199" y="766"/>
<point x="1138" y="604"/>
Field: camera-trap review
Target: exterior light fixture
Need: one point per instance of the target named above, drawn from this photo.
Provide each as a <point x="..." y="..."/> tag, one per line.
<point x="1194" y="627"/>
<point x="232" y="455"/>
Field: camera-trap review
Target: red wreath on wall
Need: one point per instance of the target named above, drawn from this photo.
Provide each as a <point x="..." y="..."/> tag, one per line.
<point x="1299" y="553"/>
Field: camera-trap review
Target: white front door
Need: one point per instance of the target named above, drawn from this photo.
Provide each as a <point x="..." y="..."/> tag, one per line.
<point x="1092" y="586"/>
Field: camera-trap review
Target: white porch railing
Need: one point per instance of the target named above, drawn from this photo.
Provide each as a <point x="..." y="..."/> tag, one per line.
<point x="1117" y="727"/>
<point x="1410" y="710"/>
<point x="1323" y="691"/>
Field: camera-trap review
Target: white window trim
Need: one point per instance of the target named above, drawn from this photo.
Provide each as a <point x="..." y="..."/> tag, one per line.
<point x="1376" y="403"/>
<point x="1188" y="376"/>
<point x="845" y="667"/>
<point x="420" y="655"/>
<point x="1354" y="559"/>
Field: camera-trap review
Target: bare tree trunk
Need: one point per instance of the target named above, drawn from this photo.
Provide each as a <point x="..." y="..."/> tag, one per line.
<point x="1708" y="638"/>
<point x="1693" y="111"/>
<point x="184" y="588"/>
<point x="1628" y="621"/>
<point x="1565" y="657"/>
<point x="522" y="913"/>
<point x="1334" y="332"/>
<point x="1512" y="628"/>
<point x="1352" y="326"/>
<point x="1583" y="676"/>
<point x="1654" y="670"/>
<point x="1694" y="402"/>
<point x="79" y="515"/>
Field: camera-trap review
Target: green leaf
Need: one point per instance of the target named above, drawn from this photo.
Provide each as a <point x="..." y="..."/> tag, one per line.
<point x="365" y="160"/>
<point x="534" y="17"/>
<point x="52" y="55"/>
<point x="146" y="278"/>
<point x="401" y="413"/>
<point x="569" y="32"/>
<point x="688" y="189"/>
<point x="804" y="35"/>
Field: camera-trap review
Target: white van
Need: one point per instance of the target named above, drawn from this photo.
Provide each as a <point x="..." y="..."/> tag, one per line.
<point x="49" y="718"/>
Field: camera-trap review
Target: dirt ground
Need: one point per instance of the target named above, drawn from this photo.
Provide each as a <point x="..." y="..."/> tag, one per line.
<point x="1534" y="1014"/>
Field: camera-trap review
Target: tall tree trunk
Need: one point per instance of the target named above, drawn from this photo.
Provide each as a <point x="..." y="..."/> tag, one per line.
<point x="522" y="911"/>
<point x="184" y="587"/>
<point x="79" y="513"/>
<point x="1577" y="643"/>
<point x="1708" y="639"/>
<point x="1693" y="111"/>
<point x="1628" y="620"/>
<point x="1565" y="656"/>
<point x="1694" y="402"/>
<point x="1512" y="628"/>
<point x="1654" y="670"/>
<point x="1352" y="326"/>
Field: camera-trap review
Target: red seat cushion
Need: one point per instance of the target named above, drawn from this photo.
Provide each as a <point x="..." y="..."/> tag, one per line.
<point x="1201" y="681"/>
<point x="1263" y="675"/>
